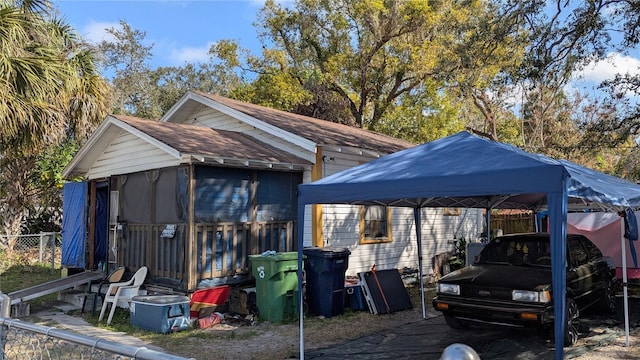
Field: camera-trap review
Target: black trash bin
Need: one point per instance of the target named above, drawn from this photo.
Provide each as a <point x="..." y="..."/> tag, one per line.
<point x="324" y="271"/>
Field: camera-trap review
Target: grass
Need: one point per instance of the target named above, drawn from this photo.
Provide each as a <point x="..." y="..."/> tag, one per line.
<point x="17" y="277"/>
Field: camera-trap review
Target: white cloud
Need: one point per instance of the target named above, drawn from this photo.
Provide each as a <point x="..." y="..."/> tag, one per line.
<point x="183" y="55"/>
<point x="614" y="63"/>
<point x="96" y="31"/>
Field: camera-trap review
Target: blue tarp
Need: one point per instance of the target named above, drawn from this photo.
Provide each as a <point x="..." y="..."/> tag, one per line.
<point x="464" y="170"/>
<point x="631" y="233"/>
<point x="74" y="202"/>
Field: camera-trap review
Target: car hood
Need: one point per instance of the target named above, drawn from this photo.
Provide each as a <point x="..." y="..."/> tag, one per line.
<point x="502" y="276"/>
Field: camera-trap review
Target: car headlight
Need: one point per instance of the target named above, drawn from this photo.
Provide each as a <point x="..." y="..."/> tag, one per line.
<point x="531" y="296"/>
<point x="449" y="289"/>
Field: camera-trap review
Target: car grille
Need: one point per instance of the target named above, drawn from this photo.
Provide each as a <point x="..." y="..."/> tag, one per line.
<point x="483" y="292"/>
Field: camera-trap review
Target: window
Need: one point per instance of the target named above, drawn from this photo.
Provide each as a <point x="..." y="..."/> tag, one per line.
<point x="592" y="249"/>
<point x="375" y="224"/>
<point x="577" y="253"/>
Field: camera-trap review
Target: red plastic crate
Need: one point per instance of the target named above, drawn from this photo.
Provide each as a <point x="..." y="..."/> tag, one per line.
<point x="206" y="298"/>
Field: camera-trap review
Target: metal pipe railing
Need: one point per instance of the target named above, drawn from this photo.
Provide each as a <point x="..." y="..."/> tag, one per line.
<point x="141" y="353"/>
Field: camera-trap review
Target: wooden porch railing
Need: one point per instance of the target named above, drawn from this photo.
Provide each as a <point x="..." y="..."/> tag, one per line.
<point x="222" y="249"/>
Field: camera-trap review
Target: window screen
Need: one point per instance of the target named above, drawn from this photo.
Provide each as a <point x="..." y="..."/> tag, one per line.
<point x="277" y="195"/>
<point x="222" y="194"/>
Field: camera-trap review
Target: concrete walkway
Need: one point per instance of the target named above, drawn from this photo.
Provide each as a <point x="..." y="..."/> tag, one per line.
<point x="57" y="314"/>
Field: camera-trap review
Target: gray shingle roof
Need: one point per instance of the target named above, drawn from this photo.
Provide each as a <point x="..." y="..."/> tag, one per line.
<point x="321" y="132"/>
<point x="202" y="141"/>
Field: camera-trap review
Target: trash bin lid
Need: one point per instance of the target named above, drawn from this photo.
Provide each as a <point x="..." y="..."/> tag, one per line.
<point x="274" y="256"/>
<point x="326" y="252"/>
<point x="160" y="299"/>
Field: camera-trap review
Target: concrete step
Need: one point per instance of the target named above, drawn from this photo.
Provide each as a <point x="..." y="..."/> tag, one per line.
<point x="76" y="298"/>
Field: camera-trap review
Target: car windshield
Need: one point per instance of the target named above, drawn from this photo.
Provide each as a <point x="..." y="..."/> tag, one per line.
<point x="517" y="251"/>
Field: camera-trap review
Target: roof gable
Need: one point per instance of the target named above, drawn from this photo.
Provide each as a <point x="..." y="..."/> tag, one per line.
<point x="320" y="132"/>
<point x="197" y="141"/>
<point x="182" y="143"/>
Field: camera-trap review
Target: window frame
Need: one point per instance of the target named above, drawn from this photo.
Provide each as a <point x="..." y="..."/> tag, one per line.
<point x="366" y="241"/>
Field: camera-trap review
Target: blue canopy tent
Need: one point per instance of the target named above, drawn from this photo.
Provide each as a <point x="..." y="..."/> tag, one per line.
<point x="464" y="170"/>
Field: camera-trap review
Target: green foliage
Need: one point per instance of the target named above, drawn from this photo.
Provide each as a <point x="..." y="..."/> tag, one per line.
<point x="52" y="93"/>
<point x="49" y="78"/>
<point x="21" y="276"/>
<point x="384" y="65"/>
<point x="457" y="261"/>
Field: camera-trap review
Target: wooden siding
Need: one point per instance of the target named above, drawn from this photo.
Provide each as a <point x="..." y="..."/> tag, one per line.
<point x="226" y="255"/>
<point x="342" y="230"/>
<point x="513" y="223"/>
<point x="129" y="154"/>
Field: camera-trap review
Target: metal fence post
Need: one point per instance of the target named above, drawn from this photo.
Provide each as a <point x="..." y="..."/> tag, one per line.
<point x="5" y="312"/>
<point x="53" y="237"/>
<point x="5" y="305"/>
<point x="42" y="245"/>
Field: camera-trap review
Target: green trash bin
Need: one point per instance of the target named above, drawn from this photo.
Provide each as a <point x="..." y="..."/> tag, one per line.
<point x="276" y="285"/>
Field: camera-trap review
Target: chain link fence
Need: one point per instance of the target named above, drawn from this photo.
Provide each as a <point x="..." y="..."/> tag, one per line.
<point x="33" y="249"/>
<point x="25" y="340"/>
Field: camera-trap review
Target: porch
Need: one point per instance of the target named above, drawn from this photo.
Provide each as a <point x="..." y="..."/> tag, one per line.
<point x="218" y="250"/>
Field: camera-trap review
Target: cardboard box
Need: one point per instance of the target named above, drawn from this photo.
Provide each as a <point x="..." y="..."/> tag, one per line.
<point x="242" y="300"/>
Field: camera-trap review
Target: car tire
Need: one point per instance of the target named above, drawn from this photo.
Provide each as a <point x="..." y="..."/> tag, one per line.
<point x="607" y="302"/>
<point x="455" y="323"/>
<point x="571" y="324"/>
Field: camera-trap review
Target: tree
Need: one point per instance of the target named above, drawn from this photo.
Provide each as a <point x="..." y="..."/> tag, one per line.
<point x="399" y="67"/>
<point x="565" y="36"/>
<point x="52" y="92"/>
<point x="132" y="83"/>
<point x="148" y="93"/>
<point x="361" y="55"/>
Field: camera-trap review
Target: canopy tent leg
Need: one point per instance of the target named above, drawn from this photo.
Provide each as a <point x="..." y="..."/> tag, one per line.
<point x="624" y="282"/>
<point x="558" y="233"/>
<point x="418" y="222"/>
<point x="301" y="208"/>
<point x="487" y="219"/>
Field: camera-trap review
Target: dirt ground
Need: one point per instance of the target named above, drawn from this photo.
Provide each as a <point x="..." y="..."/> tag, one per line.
<point x="362" y="335"/>
<point x="602" y="338"/>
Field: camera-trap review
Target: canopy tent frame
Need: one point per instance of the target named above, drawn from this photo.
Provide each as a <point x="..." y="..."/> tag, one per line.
<point x="439" y="174"/>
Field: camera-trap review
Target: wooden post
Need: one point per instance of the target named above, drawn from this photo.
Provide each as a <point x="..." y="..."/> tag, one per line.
<point x="191" y="256"/>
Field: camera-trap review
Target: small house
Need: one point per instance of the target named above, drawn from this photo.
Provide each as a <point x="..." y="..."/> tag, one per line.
<point x="191" y="195"/>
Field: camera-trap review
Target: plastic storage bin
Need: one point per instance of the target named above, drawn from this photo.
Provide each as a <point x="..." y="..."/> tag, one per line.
<point x="354" y="297"/>
<point x="276" y="285"/>
<point x="160" y="313"/>
<point x="324" y="270"/>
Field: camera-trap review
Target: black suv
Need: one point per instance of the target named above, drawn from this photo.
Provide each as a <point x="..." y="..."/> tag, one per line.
<point x="509" y="284"/>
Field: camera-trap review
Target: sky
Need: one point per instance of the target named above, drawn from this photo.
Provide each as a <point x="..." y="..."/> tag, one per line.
<point x="182" y="31"/>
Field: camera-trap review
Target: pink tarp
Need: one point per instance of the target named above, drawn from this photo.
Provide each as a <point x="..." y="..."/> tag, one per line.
<point x="605" y="230"/>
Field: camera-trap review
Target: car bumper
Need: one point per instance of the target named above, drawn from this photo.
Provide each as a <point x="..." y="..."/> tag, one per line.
<point x="504" y="313"/>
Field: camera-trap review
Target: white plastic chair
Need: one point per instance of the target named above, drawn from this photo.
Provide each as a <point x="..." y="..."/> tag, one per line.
<point x="122" y="292"/>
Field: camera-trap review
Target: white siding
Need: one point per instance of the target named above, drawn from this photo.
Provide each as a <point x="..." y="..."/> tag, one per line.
<point x="342" y="229"/>
<point x="334" y="161"/>
<point x="308" y="237"/>
<point x="129" y="154"/>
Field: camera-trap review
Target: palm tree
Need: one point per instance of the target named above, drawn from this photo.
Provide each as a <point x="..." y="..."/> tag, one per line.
<point x="51" y="90"/>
